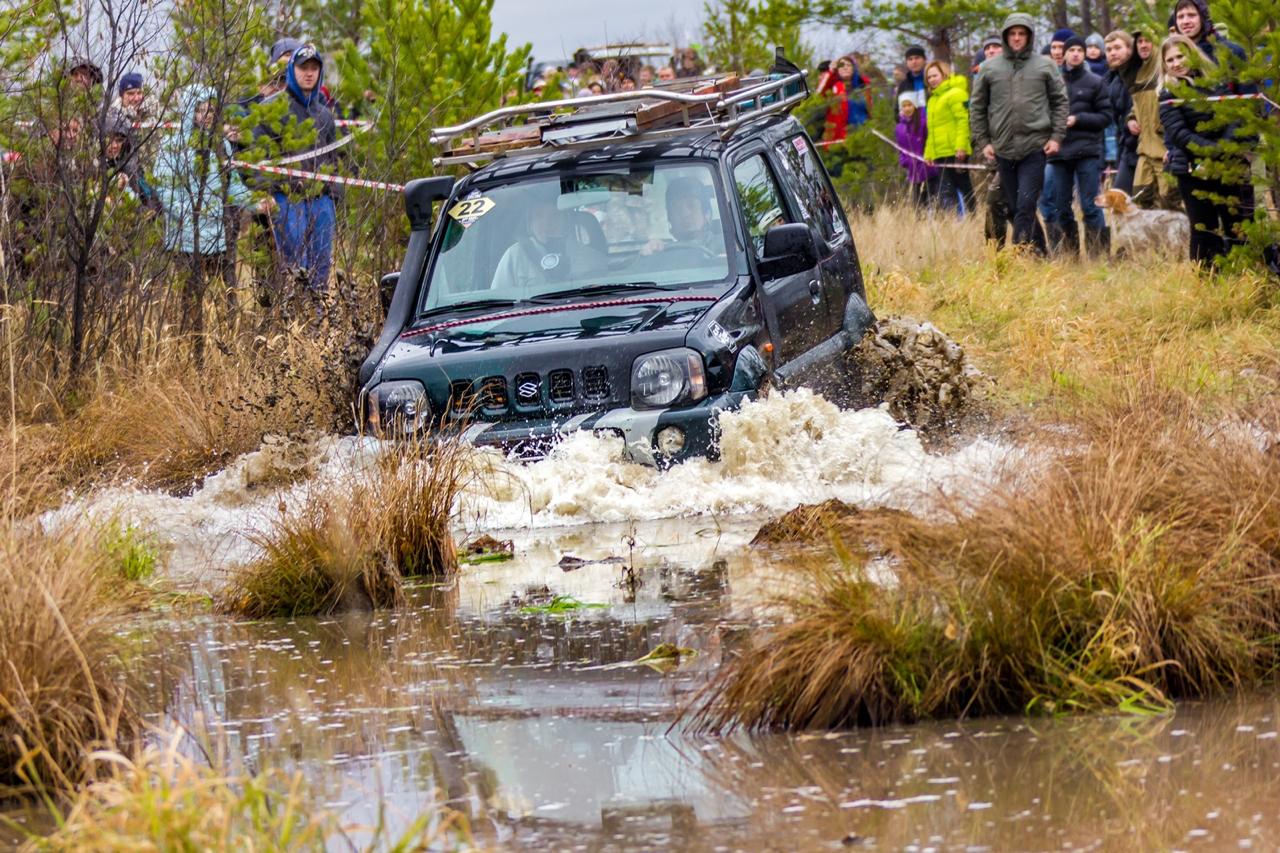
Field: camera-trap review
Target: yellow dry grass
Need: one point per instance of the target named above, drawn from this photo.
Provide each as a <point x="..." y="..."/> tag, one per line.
<point x="1066" y="333"/>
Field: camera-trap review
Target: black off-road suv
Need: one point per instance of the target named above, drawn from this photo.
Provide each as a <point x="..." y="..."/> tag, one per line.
<point x="632" y="263"/>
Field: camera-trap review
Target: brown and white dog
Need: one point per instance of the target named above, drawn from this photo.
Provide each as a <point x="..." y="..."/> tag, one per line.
<point x="1135" y="230"/>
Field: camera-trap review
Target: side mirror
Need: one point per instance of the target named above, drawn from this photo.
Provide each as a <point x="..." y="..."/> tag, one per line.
<point x="788" y="249"/>
<point x="419" y="195"/>
<point x="387" y="289"/>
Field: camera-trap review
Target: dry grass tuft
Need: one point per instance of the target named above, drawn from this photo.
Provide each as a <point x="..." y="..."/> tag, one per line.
<point x="162" y="799"/>
<point x="350" y="545"/>
<point x="1072" y="333"/>
<point x="1139" y="563"/>
<point x="61" y="687"/>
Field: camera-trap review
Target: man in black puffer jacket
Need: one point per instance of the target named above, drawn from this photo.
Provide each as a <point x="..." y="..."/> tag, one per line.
<point x="1122" y="67"/>
<point x="1078" y="163"/>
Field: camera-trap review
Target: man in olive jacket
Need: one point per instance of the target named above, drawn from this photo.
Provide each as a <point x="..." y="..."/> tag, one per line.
<point x="1018" y="114"/>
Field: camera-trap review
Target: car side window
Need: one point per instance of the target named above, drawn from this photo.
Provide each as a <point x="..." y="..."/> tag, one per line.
<point x="760" y="199"/>
<point x="818" y="202"/>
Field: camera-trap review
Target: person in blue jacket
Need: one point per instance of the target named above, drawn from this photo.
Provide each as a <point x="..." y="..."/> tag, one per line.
<point x="304" y="213"/>
<point x="194" y="183"/>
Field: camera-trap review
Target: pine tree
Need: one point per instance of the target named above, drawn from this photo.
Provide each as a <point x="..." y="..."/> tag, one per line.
<point x="740" y="35"/>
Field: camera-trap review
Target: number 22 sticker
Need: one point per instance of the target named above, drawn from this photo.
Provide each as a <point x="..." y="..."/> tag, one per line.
<point x="467" y="211"/>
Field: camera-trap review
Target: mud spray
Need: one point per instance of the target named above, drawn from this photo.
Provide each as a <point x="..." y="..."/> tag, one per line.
<point x="777" y="453"/>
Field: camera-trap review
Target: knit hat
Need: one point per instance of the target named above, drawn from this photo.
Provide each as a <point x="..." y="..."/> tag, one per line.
<point x="1062" y="35"/>
<point x="1095" y="40"/>
<point x="282" y="47"/>
<point x="1074" y="41"/>
<point x="132" y="80"/>
<point x="992" y="39"/>
<point x="907" y="98"/>
<point x="914" y="50"/>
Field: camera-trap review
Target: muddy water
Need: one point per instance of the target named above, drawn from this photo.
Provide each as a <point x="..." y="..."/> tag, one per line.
<point x="539" y="729"/>
<point x="534" y="726"/>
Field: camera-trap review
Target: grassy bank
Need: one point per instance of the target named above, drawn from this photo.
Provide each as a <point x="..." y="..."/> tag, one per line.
<point x="1136" y="562"/>
<point x="1064" y="334"/>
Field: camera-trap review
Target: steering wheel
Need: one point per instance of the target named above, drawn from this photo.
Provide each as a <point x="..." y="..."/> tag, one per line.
<point x="690" y="247"/>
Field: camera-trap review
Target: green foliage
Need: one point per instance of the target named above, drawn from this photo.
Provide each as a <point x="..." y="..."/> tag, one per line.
<point x="740" y="35"/>
<point x="131" y="553"/>
<point x="943" y="25"/>
<point x="418" y="65"/>
<point x="560" y="605"/>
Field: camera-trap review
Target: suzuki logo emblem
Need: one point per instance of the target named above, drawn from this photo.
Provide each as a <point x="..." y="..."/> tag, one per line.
<point x="528" y="390"/>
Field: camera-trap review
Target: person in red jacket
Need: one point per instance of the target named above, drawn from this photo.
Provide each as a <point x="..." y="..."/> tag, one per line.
<point x="850" y="93"/>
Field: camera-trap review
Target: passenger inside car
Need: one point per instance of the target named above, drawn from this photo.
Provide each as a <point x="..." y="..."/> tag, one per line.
<point x="551" y="250"/>
<point x="689" y="219"/>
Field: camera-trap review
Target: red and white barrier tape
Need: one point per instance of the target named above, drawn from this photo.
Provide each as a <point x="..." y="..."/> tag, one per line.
<point x="316" y="176"/>
<point x="1253" y="96"/>
<point x="975" y="166"/>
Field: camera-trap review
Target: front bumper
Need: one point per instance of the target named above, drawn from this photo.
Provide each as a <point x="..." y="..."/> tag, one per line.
<point x="533" y="439"/>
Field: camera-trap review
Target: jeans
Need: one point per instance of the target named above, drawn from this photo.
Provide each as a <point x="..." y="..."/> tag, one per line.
<point x="955" y="186"/>
<point x="304" y="236"/>
<point x="1046" y="195"/>
<point x="1083" y="176"/>
<point x="1022" y="181"/>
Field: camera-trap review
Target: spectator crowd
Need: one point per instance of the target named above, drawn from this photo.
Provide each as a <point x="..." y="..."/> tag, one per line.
<point x="1042" y="129"/>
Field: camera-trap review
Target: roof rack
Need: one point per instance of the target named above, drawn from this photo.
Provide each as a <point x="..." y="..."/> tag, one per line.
<point x="714" y="104"/>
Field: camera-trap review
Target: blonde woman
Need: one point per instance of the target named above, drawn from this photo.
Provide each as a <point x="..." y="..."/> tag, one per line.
<point x="948" y="143"/>
<point x="1215" y="205"/>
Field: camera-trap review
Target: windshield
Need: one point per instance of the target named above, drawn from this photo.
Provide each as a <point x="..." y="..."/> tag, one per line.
<point x="652" y="226"/>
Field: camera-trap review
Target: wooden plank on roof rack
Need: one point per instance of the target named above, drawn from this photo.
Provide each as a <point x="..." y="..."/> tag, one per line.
<point x="648" y="117"/>
<point x="495" y="142"/>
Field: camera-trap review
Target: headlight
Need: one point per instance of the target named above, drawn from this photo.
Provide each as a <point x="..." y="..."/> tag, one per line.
<point x="666" y="378"/>
<point x="398" y="408"/>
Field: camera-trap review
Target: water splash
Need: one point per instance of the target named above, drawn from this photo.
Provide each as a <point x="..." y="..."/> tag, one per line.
<point x="776" y="453"/>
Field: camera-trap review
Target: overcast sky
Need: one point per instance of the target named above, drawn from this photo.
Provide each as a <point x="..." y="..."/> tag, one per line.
<point x="557" y="27"/>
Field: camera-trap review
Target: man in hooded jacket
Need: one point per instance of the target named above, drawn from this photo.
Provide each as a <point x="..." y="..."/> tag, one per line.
<point x="304" y="218"/>
<point x="1018" y="115"/>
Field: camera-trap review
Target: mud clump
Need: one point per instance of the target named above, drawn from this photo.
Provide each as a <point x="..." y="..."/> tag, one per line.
<point x="811" y="524"/>
<point x="923" y="376"/>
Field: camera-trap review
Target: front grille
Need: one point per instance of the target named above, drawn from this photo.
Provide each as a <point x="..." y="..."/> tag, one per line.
<point x="528" y="387"/>
<point x="493" y="392"/>
<point x="560" y="386"/>
<point x="461" y="397"/>
<point x="595" y="382"/>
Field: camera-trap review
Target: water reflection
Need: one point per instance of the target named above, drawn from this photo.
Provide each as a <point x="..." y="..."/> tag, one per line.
<point x="536" y="728"/>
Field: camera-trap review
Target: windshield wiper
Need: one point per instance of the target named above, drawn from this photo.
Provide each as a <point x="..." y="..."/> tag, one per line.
<point x="596" y="289"/>
<point x="471" y="306"/>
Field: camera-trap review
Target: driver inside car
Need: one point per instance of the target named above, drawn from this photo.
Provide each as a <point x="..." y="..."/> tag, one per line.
<point x="689" y="218"/>
<point x="548" y="254"/>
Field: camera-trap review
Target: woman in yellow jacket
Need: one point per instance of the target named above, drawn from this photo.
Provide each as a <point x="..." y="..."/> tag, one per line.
<point x="948" y="144"/>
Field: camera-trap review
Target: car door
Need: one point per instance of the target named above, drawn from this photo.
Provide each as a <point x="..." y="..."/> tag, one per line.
<point x="795" y="311"/>
<point x="805" y="181"/>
